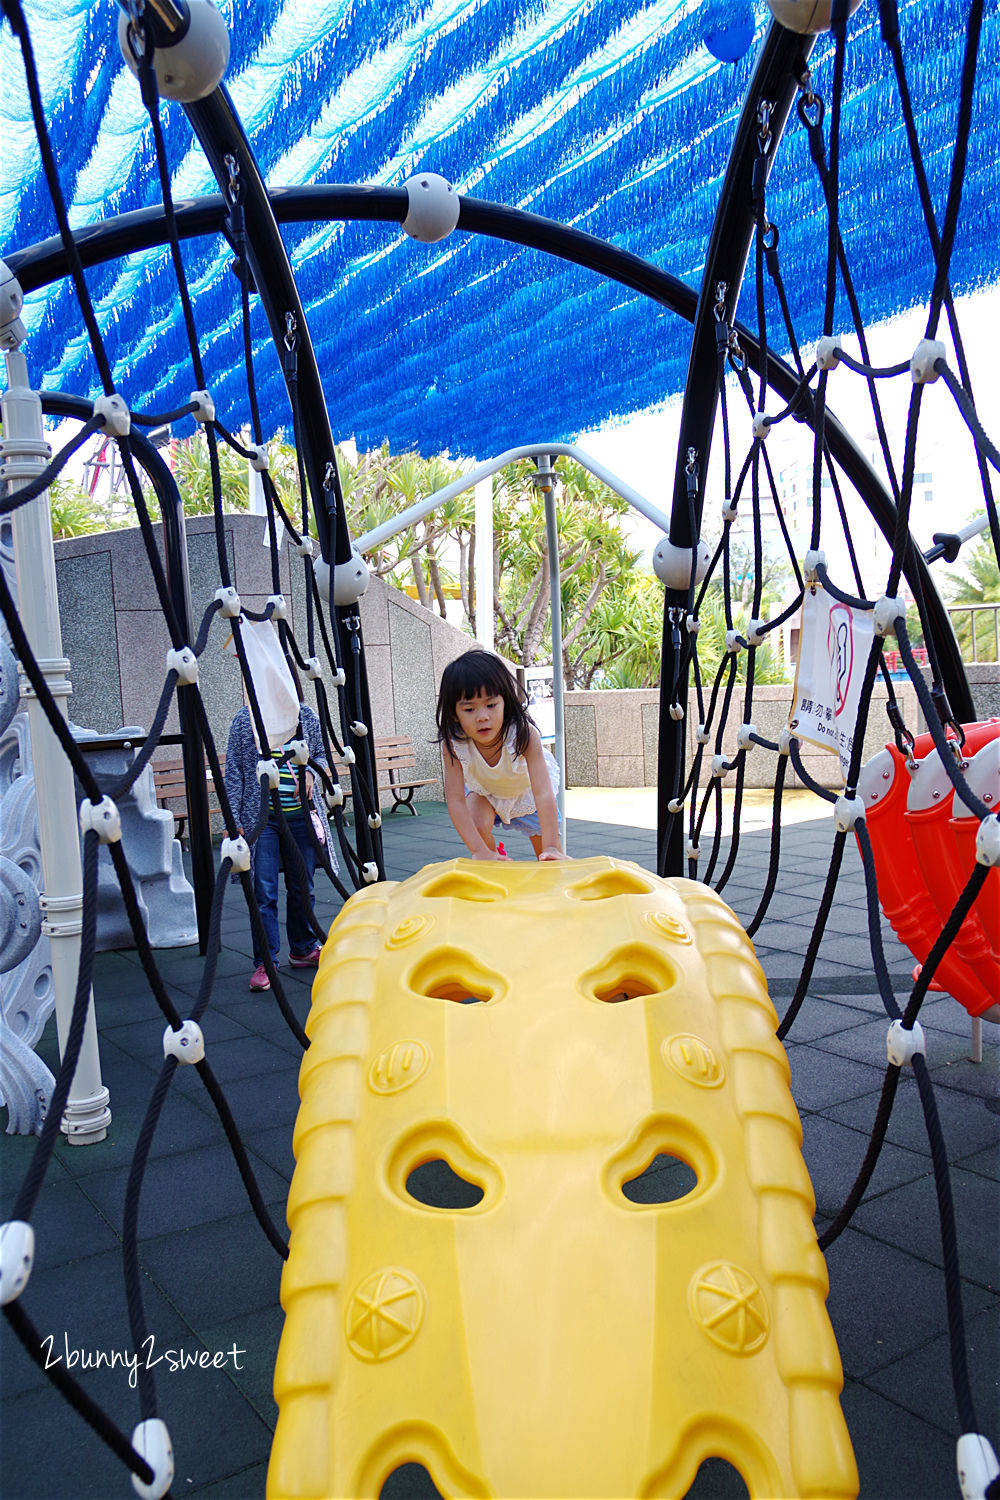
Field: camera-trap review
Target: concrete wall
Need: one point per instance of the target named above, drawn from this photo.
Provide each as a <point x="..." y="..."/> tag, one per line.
<point x="116" y="640"/>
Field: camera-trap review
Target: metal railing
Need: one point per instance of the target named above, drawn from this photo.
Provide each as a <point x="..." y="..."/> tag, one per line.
<point x="979" y="640"/>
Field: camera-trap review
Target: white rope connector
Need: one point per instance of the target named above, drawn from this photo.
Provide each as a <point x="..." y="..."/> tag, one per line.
<point x="846" y="812"/>
<point x="432" y="207"/>
<point x="755" y="633"/>
<point x="675" y="805"/>
<point x="339" y="678"/>
<point x="814" y="558"/>
<point x="185" y="664"/>
<point x="733" y="642"/>
<point x="258" y="458"/>
<point x="988" y="842"/>
<point x="350" y="579"/>
<point x="305" y="546"/>
<point x="785" y="738"/>
<point x="280" y="607"/>
<point x="885" y="614"/>
<point x="334" y="798"/>
<point x="701" y="735"/>
<point x="237" y="851"/>
<point x="359" y="729"/>
<point x="743" y="740"/>
<point x="187" y="1043"/>
<point x="902" y="1046"/>
<point x="116" y="419"/>
<point x="349" y="758"/>
<point x="761" y="425"/>
<point x="151" y="1441"/>
<point x="375" y="820"/>
<point x="17" y="1256"/>
<point x="692" y="850"/>
<point x="692" y="624"/>
<point x="103" y="817"/>
<point x="672" y="564"/>
<point x="729" y="510"/>
<point x="719" y="766"/>
<point x="269" y="770"/>
<point x="923" y="360"/>
<point x="204" y="406"/>
<point x="828" y="352"/>
<point x="676" y="712"/>
<point x="299" y="753"/>
<point x="977" y="1465"/>
<point x="370" y="872"/>
<point x="229" y="602"/>
<point x="313" y="668"/>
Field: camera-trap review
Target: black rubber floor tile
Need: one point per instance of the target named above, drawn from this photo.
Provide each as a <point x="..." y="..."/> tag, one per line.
<point x="899" y="1456"/>
<point x="986" y="1163"/>
<point x="822" y="1018"/>
<point x="967" y="1122"/>
<point x="246" y="1484"/>
<point x="821" y="1079"/>
<point x="273" y="1145"/>
<point x="921" y="1382"/>
<point x="834" y="1153"/>
<point x="907" y="1216"/>
<point x="216" y="1272"/>
<point x="191" y="1189"/>
<point x="257" y="1334"/>
<point x="66" y="1227"/>
<point x="868" y="1273"/>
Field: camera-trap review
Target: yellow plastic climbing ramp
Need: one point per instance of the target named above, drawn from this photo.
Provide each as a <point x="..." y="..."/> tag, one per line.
<point x="534" y="1325"/>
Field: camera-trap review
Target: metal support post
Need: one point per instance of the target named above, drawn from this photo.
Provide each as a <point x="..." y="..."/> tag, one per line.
<point x="545" y="470"/>
<point x="484" y="563"/>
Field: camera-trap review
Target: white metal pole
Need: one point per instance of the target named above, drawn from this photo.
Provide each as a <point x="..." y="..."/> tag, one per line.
<point x="555" y="611"/>
<point x="25" y="452"/>
<point x="484" y="564"/>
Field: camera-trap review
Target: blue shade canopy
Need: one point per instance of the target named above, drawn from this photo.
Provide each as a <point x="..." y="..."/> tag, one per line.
<point x="615" y="118"/>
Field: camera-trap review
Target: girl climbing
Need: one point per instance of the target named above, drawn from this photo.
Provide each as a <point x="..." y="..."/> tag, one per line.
<point x="497" y="773"/>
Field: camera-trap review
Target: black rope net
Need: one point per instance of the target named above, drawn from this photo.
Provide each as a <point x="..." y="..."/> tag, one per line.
<point x="723" y="690"/>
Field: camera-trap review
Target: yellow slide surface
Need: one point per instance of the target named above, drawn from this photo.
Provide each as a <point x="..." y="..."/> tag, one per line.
<point x="557" y="1337"/>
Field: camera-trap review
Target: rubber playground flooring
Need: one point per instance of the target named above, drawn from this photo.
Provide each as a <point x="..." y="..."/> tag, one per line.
<point x="211" y="1278"/>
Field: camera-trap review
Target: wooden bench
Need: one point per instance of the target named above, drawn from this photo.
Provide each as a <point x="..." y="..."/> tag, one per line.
<point x="394" y="757"/>
<point x="171" y="791"/>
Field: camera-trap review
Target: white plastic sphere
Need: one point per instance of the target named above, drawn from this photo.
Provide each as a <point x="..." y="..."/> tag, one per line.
<point x="192" y="67"/>
<point x="672" y="565"/>
<point x="807" y="17"/>
<point x="433" y="208"/>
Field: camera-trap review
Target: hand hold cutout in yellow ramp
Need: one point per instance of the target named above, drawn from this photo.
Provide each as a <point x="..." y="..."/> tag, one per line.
<point x="536" y="1314"/>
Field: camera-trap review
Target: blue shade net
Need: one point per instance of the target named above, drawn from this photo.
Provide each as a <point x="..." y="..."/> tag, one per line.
<point x="615" y="119"/>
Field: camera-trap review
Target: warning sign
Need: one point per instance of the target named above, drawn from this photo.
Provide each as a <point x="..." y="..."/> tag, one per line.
<point x="833" y="650"/>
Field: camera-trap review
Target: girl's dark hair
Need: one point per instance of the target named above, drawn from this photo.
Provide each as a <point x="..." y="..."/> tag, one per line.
<point x="481" y="672"/>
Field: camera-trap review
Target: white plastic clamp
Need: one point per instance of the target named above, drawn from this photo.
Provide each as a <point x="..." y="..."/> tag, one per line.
<point x="691" y="849"/>
<point x="238" y="852"/>
<point x="672" y="564"/>
<point x="299" y="752"/>
<point x="902" y="1046"/>
<point x="977" y="1465"/>
<point x="432" y="208"/>
<point x="280" y="607"/>
<point x="923" y="360"/>
<point x="374" y="820"/>
<point x="359" y="729"/>
<point x="349" y="758"/>
<point x="151" y="1441"/>
<point x="814" y="558"/>
<point x="103" y="817"/>
<point x="17" y="1256"/>
<point x="719" y="766"/>
<point x="988" y="841"/>
<point x="761" y="425"/>
<point x="305" y="546"/>
<point x="339" y="678"/>
<point x="269" y="769"/>
<point x="229" y="601"/>
<point x="350" y="579"/>
<point x="885" y="614"/>
<point x="675" y="804"/>
<point x="743" y="740"/>
<point x="116" y="419"/>
<point x="187" y="1043"/>
<point x="785" y="738"/>
<point x="185" y="664"/>
<point x="204" y="406"/>
<point x="828" y="352"/>
<point x="258" y="458"/>
<point x="692" y="624"/>
<point x="846" y="812"/>
<point x="370" y="872"/>
<point x="313" y="668"/>
<point x="733" y="642"/>
<point x="701" y="735"/>
<point x="755" y="633"/>
<point x="730" y="510"/>
<point x="334" y="798"/>
<point x="676" y="712"/>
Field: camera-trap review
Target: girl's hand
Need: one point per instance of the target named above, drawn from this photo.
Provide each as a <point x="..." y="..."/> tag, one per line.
<point x="552" y="851"/>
